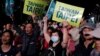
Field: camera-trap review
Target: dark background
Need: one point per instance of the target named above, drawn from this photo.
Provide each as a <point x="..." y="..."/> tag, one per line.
<point x="89" y="5"/>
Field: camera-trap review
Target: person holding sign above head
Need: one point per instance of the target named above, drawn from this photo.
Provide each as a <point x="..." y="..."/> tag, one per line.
<point x="57" y="40"/>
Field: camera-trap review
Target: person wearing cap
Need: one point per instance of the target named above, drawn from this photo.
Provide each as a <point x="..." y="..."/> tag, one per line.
<point x="85" y="41"/>
<point x="96" y="34"/>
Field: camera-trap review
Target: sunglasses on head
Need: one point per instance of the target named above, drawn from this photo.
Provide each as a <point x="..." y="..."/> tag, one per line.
<point x="90" y="39"/>
<point x="96" y="38"/>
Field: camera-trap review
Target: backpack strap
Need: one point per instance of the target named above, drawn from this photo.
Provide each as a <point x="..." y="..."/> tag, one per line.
<point x="52" y="49"/>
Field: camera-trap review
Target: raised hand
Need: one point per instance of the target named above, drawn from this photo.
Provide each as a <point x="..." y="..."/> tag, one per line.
<point x="65" y="23"/>
<point x="45" y="19"/>
<point x="12" y="17"/>
<point x="33" y="15"/>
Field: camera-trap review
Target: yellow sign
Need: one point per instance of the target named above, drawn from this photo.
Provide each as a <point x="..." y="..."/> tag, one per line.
<point x="34" y="6"/>
<point x="70" y="13"/>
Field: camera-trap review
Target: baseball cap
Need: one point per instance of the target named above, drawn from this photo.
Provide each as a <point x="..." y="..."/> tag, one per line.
<point x="96" y="33"/>
<point x="88" y="25"/>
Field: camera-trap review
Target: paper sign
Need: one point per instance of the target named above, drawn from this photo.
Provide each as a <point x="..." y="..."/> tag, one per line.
<point x="72" y="14"/>
<point x="34" y="6"/>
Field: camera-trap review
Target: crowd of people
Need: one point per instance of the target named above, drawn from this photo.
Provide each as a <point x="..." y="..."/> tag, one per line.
<point x="40" y="36"/>
<point x="49" y="38"/>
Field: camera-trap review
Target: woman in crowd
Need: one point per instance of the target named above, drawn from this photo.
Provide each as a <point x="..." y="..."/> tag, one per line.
<point x="6" y="48"/>
<point x="57" y="40"/>
<point x="86" y="41"/>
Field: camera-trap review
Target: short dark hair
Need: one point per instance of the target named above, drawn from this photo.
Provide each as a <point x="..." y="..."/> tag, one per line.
<point x="30" y="23"/>
<point x="51" y="28"/>
<point x="11" y="35"/>
<point x="8" y="23"/>
<point x="60" y="34"/>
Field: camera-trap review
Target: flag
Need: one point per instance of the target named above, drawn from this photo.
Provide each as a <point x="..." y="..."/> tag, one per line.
<point x="9" y="4"/>
<point x="51" y="9"/>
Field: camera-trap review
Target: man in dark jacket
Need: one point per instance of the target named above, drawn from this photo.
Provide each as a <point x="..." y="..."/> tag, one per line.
<point x="29" y="39"/>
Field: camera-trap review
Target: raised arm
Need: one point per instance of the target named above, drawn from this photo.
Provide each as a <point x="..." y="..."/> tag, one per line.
<point x="34" y="17"/>
<point x="65" y="34"/>
<point x="46" y="35"/>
